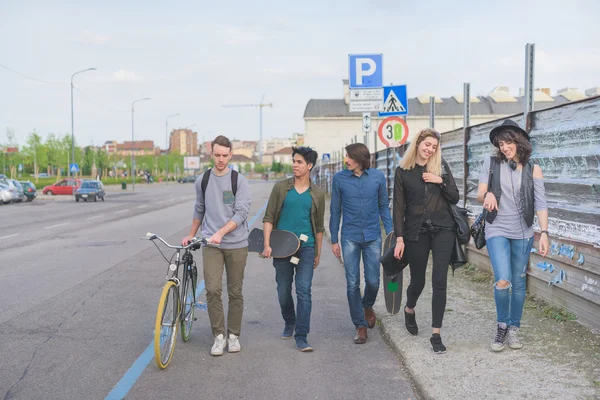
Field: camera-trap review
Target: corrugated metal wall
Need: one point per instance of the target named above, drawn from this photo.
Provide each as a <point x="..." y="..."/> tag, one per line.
<point x="566" y="145"/>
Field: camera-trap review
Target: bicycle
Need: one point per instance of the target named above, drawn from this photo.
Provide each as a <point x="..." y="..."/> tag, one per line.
<point x="169" y="316"/>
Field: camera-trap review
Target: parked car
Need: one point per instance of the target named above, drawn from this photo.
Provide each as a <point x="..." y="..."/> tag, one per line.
<point x="43" y="175"/>
<point x="188" y="179"/>
<point x="65" y="186"/>
<point x="29" y="190"/>
<point x="5" y="195"/>
<point x="92" y="190"/>
<point x="14" y="189"/>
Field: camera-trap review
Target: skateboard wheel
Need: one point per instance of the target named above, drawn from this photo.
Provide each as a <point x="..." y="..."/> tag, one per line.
<point x="303" y="238"/>
<point x="294" y="260"/>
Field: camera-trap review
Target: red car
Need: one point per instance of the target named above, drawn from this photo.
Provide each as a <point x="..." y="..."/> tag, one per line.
<point x="65" y="186"/>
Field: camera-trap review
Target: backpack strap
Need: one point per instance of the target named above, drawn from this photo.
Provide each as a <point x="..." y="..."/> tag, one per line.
<point x="234" y="180"/>
<point x="206" y="177"/>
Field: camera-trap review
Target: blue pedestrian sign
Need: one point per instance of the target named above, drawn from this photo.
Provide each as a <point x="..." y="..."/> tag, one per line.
<point x="366" y="71"/>
<point x="395" y="101"/>
<point x="74" y="168"/>
<point x="326" y="158"/>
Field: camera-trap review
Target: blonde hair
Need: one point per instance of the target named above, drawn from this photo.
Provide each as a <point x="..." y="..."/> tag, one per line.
<point x="434" y="163"/>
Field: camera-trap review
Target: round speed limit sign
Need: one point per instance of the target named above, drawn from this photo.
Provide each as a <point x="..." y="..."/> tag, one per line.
<point x="393" y="131"/>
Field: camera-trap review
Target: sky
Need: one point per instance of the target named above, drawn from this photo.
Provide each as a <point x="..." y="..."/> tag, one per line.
<point x="193" y="57"/>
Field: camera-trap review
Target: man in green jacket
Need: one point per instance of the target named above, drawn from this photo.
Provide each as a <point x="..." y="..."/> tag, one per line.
<point x="298" y="206"/>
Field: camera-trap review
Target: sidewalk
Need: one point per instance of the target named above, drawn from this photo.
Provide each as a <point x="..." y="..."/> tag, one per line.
<point x="559" y="360"/>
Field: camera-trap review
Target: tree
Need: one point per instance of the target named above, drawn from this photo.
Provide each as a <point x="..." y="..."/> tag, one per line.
<point x="35" y="154"/>
<point x="276" y="167"/>
<point x="260" y="169"/>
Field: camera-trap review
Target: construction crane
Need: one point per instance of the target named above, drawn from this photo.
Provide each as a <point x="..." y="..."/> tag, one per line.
<point x="260" y="108"/>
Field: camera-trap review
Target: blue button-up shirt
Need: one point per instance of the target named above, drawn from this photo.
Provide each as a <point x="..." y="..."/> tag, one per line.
<point x="362" y="200"/>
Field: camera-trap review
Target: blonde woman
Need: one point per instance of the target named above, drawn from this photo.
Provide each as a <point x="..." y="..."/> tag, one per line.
<point x="423" y="189"/>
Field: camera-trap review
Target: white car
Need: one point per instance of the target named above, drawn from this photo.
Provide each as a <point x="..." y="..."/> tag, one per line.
<point x="5" y="195"/>
<point x="15" y="190"/>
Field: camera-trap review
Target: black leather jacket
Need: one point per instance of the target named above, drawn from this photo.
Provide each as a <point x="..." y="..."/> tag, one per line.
<point x="417" y="203"/>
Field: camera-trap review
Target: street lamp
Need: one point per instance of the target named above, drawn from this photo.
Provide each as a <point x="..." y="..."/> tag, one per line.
<point x="167" y="144"/>
<point x="72" y="118"/>
<point x="132" y="142"/>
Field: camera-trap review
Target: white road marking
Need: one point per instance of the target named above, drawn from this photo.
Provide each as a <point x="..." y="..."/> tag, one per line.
<point x="55" y="226"/>
<point x="122" y="211"/>
<point x="144" y="206"/>
<point x="9" y="236"/>
<point x="97" y="216"/>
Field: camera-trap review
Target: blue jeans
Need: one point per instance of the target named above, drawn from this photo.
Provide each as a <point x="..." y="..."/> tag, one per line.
<point x="509" y="260"/>
<point x="284" y="276"/>
<point x="371" y="252"/>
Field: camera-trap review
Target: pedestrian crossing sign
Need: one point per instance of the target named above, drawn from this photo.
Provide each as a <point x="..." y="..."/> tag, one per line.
<point x="395" y="101"/>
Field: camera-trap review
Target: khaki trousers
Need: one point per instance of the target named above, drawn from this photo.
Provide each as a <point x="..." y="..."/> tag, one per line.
<point x="234" y="261"/>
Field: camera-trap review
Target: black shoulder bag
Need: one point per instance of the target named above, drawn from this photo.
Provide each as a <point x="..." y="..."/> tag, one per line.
<point x="478" y="227"/>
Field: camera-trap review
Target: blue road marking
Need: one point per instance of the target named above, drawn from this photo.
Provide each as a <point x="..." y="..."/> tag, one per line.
<point x="132" y="375"/>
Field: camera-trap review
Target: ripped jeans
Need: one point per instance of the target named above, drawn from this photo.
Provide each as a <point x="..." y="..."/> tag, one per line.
<point x="510" y="258"/>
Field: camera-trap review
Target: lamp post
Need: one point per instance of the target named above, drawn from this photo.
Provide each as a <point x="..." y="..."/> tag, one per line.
<point x="167" y="145"/>
<point x="132" y="142"/>
<point x="72" y="117"/>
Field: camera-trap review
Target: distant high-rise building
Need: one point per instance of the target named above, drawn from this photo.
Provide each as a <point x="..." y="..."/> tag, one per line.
<point x="184" y="141"/>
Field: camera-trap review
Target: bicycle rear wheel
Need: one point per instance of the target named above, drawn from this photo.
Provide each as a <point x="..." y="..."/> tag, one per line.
<point x="188" y="304"/>
<point x="165" y="328"/>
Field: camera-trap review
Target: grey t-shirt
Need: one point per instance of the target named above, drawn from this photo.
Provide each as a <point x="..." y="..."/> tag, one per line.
<point x="509" y="221"/>
<point x="220" y="206"/>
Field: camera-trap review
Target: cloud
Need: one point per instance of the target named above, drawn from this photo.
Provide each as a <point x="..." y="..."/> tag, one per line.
<point x="275" y="71"/>
<point x="88" y="37"/>
<point x="126" y="76"/>
<point x="235" y="35"/>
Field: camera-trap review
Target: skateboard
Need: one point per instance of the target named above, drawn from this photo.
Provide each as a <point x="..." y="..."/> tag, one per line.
<point x="392" y="285"/>
<point x="283" y="243"/>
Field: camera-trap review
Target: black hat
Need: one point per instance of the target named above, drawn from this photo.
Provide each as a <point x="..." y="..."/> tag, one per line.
<point x="507" y="124"/>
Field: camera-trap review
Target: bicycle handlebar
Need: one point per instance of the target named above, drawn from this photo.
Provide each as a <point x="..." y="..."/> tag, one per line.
<point x="195" y="243"/>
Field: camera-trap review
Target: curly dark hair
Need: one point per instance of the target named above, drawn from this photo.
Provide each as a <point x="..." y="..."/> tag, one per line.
<point x="524" y="148"/>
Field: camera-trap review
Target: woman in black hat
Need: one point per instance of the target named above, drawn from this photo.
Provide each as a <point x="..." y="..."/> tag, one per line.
<point x="511" y="188"/>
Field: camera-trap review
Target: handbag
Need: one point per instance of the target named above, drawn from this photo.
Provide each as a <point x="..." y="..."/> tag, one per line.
<point x="391" y="265"/>
<point x="458" y="258"/>
<point x="459" y="215"/>
<point x="478" y="227"/>
<point x="478" y="230"/>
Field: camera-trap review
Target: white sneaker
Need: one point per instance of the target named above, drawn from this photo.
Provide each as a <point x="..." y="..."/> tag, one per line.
<point x="233" y="344"/>
<point x="219" y="345"/>
<point x="513" y="338"/>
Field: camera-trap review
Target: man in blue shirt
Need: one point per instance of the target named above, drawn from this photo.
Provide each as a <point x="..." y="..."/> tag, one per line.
<point x="360" y="194"/>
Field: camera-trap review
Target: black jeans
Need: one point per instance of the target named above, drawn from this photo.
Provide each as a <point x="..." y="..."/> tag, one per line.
<point x="418" y="254"/>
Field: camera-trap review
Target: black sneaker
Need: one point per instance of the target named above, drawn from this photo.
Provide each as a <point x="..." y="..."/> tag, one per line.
<point x="410" y="320"/>
<point x="436" y="344"/>
<point x="500" y="339"/>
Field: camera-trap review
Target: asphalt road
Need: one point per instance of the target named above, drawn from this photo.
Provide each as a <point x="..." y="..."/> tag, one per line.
<point x="78" y="296"/>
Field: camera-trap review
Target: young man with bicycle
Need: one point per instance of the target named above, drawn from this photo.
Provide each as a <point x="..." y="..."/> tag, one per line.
<point x="223" y="201"/>
<point x="298" y="206"/>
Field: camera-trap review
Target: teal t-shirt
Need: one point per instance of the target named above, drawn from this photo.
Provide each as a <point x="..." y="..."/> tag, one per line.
<point x="295" y="215"/>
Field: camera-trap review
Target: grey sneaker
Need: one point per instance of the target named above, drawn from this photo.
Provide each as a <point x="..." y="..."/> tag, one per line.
<point x="500" y="339"/>
<point x="513" y="338"/>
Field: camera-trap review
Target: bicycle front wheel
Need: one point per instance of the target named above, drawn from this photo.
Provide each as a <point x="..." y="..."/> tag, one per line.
<point x="165" y="328"/>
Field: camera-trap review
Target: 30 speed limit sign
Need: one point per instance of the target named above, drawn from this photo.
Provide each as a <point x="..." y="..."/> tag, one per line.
<point x="393" y="131"/>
